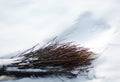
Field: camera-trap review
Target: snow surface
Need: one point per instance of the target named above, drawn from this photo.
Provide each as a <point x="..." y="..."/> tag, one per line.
<point x="91" y="23"/>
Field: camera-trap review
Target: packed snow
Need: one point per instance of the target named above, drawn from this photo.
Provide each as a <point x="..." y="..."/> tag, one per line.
<point x="93" y="24"/>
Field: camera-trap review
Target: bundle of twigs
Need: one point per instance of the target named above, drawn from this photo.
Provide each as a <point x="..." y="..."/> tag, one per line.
<point x="54" y="58"/>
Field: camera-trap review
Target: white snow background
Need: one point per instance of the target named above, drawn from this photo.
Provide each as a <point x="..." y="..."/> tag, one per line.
<point x="92" y="23"/>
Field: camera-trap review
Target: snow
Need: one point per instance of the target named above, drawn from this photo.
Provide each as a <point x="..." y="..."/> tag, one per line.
<point x="94" y="24"/>
<point x="6" y="61"/>
<point x="27" y="70"/>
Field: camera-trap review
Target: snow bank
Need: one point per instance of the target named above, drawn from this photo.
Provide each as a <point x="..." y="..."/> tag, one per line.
<point x="24" y="23"/>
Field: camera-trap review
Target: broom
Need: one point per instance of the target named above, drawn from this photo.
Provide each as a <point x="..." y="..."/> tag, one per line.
<point x="53" y="59"/>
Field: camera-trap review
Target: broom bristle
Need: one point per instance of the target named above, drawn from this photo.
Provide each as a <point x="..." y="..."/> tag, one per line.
<point x="56" y="57"/>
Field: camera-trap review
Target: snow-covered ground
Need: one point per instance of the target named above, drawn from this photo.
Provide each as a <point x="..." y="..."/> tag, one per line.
<point x="91" y="23"/>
